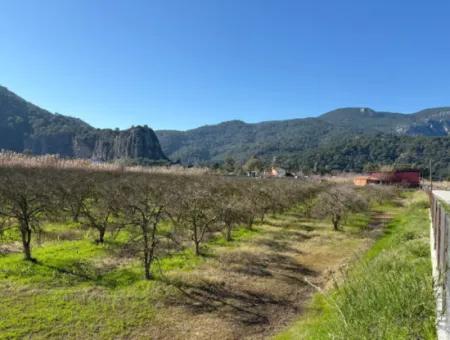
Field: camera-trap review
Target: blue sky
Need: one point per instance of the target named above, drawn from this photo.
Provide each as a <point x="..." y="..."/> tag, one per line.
<point x="181" y="64"/>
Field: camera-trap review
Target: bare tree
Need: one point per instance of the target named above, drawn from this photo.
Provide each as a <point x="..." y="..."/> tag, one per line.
<point x="99" y="205"/>
<point x="73" y="188"/>
<point x="192" y="209"/>
<point x="337" y="202"/>
<point x="25" y="198"/>
<point x="143" y="202"/>
<point x="230" y="209"/>
<point x="380" y="193"/>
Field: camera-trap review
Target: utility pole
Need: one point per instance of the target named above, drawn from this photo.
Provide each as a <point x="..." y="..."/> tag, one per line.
<point x="431" y="179"/>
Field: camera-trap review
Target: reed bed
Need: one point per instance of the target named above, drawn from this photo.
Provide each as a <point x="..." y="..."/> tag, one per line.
<point x="13" y="159"/>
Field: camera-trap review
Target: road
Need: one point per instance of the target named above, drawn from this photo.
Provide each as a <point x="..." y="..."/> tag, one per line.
<point x="443" y="195"/>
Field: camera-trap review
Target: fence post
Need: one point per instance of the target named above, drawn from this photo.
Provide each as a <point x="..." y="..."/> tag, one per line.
<point x="440" y="224"/>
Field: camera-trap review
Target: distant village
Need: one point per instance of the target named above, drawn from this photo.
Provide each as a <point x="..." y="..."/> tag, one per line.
<point x="406" y="178"/>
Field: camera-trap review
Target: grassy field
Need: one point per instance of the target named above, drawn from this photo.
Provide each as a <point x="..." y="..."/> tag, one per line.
<point x="386" y="295"/>
<point x="251" y="287"/>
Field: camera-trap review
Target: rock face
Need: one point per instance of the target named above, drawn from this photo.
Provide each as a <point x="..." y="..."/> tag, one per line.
<point x="25" y="127"/>
<point x="135" y="143"/>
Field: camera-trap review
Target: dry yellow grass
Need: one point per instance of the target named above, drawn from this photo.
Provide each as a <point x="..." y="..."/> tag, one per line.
<point x="341" y="178"/>
<point x="439" y="185"/>
<point x="13" y="159"/>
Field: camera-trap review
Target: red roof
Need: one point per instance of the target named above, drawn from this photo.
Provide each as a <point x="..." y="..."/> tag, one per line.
<point x="399" y="176"/>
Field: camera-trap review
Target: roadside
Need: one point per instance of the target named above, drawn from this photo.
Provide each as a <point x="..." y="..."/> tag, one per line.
<point x="386" y="295"/>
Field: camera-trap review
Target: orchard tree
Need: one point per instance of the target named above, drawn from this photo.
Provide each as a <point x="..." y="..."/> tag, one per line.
<point x="25" y="199"/>
<point x="256" y="200"/>
<point x="337" y="203"/>
<point x="143" y="202"/>
<point x="380" y="193"/>
<point x="193" y="209"/>
<point x="98" y="206"/>
<point x="263" y="199"/>
<point x="230" y="209"/>
<point x="73" y="188"/>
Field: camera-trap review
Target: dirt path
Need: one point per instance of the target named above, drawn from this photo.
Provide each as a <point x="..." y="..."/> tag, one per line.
<point x="256" y="288"/>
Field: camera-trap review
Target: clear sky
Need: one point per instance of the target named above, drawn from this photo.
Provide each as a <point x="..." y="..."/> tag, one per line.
<point x="185" y="63"/>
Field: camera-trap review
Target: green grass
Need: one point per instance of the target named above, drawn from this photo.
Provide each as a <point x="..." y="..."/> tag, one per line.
<point x="238" y="235"/>
<point x="356" y="222"/>
<point x="74" y="292"/>
<point x="387" y="295"/>
<point x="65" y="295"/>
<point x="446" y="206"/>
<point x="71" y="293"/>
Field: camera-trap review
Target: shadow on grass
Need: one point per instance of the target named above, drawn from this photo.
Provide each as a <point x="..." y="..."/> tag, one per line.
<point x="237" y="300"/>
<point x="290" y="235"/>
<point x="242" y="306"/>
<point x="291" y="225"/>
<point x="278" y="245"/>
<point x="80" y="272"/>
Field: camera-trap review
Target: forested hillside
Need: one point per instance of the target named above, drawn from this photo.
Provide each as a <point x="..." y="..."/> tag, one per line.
<point x="25" y="127"/>
<point x="363" y="153"/>
<point x="345" y="139"/>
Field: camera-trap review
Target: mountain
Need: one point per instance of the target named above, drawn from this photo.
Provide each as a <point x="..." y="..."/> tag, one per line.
<point x="241" y="141"/>
<point x="25" y="127"/>
<point x="346" y="139"/>
<point x="214" y="143"/>
<point x="430" y="122"/>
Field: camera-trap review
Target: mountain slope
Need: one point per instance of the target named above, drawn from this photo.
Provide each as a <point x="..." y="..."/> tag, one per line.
<point x="348" y="139"/>
<point x="241" y="140"/>
<point x="294" y="137"/>
<point x="25" y="127"/>
<point x="363" y="152"/>
<point x="430" y="122"/>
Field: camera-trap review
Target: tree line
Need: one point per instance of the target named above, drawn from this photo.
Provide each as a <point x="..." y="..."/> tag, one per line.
<point x="154" y="209"/>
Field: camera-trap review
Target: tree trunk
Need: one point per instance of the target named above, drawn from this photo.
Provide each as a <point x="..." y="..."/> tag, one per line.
<point x="228" y="232"/>
<point x="26" y="241"/>
<point x="147" y="265"/>
<point x="196" y="240"/>
<point x="336" y="220"/>
<point x="150" y="241"/>
<point x="250" y="223"/>
<point x="101" y="235"/>
<point x="148" y="274"/>
<point x="76" y="214"/>
<point x="335" y="226"/>
<point x="262" y="218"/>
<point x="197" y="248"/>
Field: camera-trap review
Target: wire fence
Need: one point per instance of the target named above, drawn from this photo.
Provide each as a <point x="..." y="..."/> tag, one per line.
<point x="440" y="218"/>
<point x="441" y="223"/>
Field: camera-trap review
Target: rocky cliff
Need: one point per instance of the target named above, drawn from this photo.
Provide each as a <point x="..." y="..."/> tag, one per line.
<point x="25" y="127"/>
<point x="137" y="142"/>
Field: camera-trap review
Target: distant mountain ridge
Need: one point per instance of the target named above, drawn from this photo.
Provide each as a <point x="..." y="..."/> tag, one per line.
<point x="25" y="127"/>
<point x="214" y="143"/>
<point x="429" y="122"/>
<point x="346" y="139"/>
